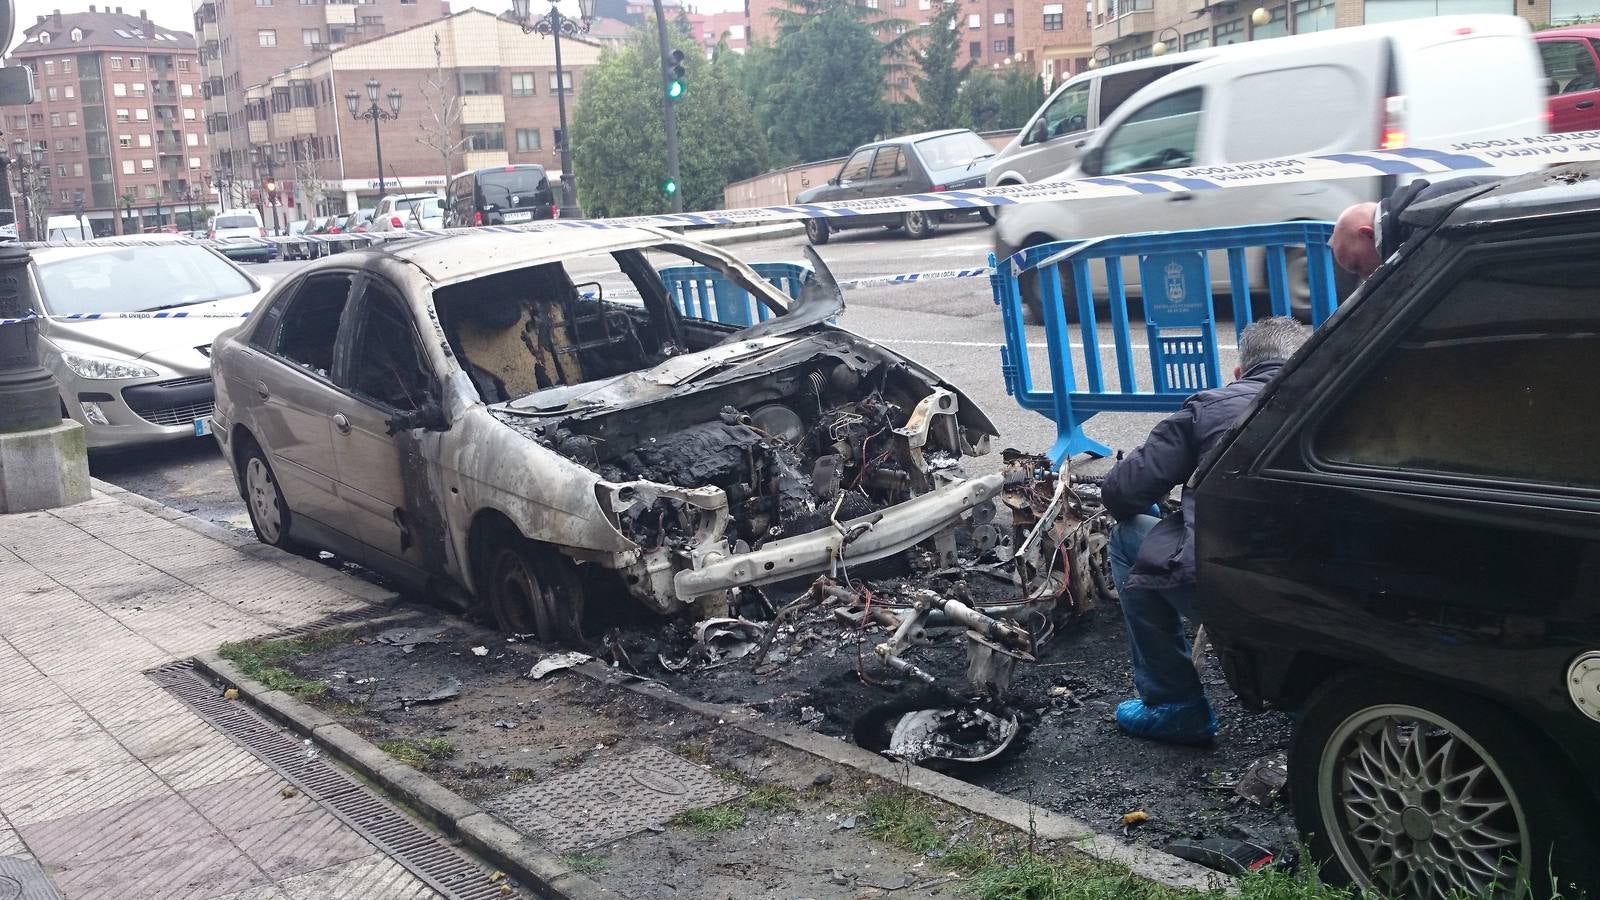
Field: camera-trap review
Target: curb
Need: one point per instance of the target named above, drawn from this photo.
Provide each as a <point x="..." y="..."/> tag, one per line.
<point x="454" y="815"/>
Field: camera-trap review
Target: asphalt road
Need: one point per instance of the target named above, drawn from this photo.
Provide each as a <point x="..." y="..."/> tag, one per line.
<point x="952" y="326"/>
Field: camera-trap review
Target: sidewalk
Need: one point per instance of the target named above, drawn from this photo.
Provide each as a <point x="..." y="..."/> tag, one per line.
<point x="110" y="784"/>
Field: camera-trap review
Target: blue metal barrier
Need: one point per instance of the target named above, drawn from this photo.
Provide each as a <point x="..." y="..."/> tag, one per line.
<point x="702" y="292"/>
<point x="1179" y="318"/>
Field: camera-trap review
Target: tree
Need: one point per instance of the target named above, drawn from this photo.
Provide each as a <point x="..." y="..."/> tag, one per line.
<point x="618" y="144"/>
<point x="940" y="70"/>
<point x="308" y="178"/>
<point x="992" y="102"/>
<point x="818" y="90"/>
<point x="440" y="130"/>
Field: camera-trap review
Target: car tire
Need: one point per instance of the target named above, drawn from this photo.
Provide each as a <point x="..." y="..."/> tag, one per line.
<point x="269" y="513"/>
<point x="1033" y="303"/>
<point x="919" y="224"/>
<point x="894" y="227"/>
<point x="817" y="231"/>
<point x="987" y="215"/>
<point x="528" y="588"/>
<point x="1375" y="803"/>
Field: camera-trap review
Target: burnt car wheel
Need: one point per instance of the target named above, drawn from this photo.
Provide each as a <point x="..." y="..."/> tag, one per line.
<point x="528" y="589"/>
<point x="919" y="224"/>
<point x="817" y="231"/>
<point x="263" y="499"/>
<point x="1407" y="790"/>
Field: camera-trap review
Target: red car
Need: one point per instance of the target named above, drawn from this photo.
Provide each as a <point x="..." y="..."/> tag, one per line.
<point x="1572" y="76"/>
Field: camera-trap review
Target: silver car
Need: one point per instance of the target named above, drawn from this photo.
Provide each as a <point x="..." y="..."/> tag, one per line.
<point x="137" y="380"/>
<point x="528" y="419"/>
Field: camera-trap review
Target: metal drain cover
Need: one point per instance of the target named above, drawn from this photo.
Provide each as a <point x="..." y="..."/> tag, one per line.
<point x="21" y="878"/>
<point x="611" y="799"/>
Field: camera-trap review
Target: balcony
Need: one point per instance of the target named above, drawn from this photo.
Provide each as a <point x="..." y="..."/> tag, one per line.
<point x="210" y="33"/>
<point x="1124" y="19"/>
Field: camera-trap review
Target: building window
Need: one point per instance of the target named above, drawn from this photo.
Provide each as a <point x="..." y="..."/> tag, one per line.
<point x="188" y="115"/>
<point x="924" y="5"/>
<point x="309" y="36"/>
<point x="143" y="115"/>
<point x="1054" y="14"/>
<point x="66" y="67"/>
<point x="527" y="140"/>
<point x="975" y="49"/>
<point x="1000" y="47"/>
<point x="192" y="139"/>
<point x="44" y="37"/>
<point x="1230" y="33"/>
<point x="116" y="64"/>
<point x="267" y="37"/>
<point x="373" y="22"/>
<point x="119" y="90"/>
<point x="138" y="89"/>
<point x="49" y="67"/>
<point x="55" y="120"/>
<point x="870" y="4"/>
<point x="36" y="119"/>
<point x="474" y="84"/>
<point x="999" y="18"/>
<point x="70" y="92"/>
<point x="183" y="65"/>
<point x="135" y="63"/>
<point x="61" y="143"/>
<point x="522" y="84"/>
<point x="77" y="170"/>
<point x="186" y="90"/>
<point x="72" y="118"/>
<point x="491" y="136"/>
<point x="144" y="140"/>
<point x="127" y="167"/>
<point x="77" y="144"/>
<point x="19" y="121"/>
<point x="149" y="191"/>
<point x="147" y="165"/>
<point x="124" y="141"/>
<point x="122" y="115"/>
<point x="50" y="93"/>
<point x="975" y="21"/>
<point x="899" y="3"/>
<point x="1395" y="10"/>
<point x="194" y="162"/>
<point x="566" y="82"/>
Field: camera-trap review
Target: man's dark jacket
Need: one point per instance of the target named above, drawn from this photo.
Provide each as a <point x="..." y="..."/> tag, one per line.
<point x="1165" y="460"/>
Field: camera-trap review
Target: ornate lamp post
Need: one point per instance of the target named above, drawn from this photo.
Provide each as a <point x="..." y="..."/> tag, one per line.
<point x="554" y="25"/>
<point x="377" y="114"/>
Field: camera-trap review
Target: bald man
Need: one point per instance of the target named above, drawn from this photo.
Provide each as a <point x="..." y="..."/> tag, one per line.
<point x="1368" y="233"/>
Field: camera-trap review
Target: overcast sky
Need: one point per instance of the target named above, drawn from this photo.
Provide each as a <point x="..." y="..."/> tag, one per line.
<point x="179" y="14"/>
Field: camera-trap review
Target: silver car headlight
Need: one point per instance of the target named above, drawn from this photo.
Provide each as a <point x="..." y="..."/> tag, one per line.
<point x="97" y="367"/>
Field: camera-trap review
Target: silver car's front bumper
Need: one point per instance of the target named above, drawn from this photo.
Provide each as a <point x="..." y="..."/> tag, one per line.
<point x="881" y="535"/>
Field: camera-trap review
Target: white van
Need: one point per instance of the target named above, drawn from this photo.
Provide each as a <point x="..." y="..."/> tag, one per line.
<point x="1063" y="126"/>
<point x="233" y="229"/>
<point x="68" y="228"/>
<point x="1420" y="83"/>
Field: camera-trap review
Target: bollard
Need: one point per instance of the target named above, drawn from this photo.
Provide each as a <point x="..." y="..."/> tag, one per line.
<point x="27" y="392"/>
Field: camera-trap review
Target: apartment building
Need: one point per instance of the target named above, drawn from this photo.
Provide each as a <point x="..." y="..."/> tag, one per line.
<point x="504" y="82"/>
<point x="1131" y="29"/>
<point x="1054" y="38"/>
<point x="118" y="115"/>
<point x="988" y="27"/>
<point x="245" y="42"/>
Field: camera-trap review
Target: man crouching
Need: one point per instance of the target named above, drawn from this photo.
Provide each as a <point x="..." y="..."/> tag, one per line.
<point x="1152" y="559"/>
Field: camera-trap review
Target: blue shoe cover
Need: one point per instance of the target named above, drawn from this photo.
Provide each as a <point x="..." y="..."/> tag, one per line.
<point x="1175" y="723"/>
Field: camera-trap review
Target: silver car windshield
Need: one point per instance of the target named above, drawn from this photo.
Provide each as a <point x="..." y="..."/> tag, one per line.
<point x="138" y="279"/>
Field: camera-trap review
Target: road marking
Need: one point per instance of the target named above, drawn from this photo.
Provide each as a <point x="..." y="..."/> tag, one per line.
<point x="1032" y="345"/>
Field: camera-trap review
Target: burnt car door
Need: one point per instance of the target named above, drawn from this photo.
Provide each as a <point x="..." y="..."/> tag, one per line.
<point x="1420" y="493"/>
<point x="385" y="432"/>
<point x="286" y="381"/>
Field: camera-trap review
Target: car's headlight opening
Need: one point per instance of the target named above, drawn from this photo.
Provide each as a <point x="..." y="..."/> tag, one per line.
<point x="102" y="368"/>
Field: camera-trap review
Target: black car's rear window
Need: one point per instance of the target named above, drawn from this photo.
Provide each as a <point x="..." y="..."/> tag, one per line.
<point x="524" y="184"/>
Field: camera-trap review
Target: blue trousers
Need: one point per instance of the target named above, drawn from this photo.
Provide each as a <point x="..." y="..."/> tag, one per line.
<point x="1162" y="669"/>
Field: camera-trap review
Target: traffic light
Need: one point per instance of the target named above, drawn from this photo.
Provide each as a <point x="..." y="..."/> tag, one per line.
<point x="272" y="191"/>
<point x="669" y="187"/>
<point x="675" y="82"/>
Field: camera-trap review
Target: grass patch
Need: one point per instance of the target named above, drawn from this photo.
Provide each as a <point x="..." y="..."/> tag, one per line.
<point x="710" y="821"/>
<point x="418" y="754"/>
<point x="262" y="661"/>
<point x="770" y="799"/>
<point x="342" y="708"/>
<point x="903" y="819"/>
<point x="584" y="863"/>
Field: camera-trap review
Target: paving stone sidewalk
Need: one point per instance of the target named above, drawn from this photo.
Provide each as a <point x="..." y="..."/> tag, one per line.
<point x="106" y="781"/>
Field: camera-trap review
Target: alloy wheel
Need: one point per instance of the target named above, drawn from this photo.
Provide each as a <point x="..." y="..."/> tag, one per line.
<point x="263" y="497"/>
<point x="1414" y="807"/>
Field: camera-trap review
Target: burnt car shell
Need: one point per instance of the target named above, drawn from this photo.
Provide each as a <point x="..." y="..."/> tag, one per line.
<point x="1482" y="585"/>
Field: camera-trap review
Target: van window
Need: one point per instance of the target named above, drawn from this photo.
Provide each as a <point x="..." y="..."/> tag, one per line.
<point x="1491" y="383"/>
<point x="1117" y="87"/>
<point x="224" y="222"/>
<point x="1327" y="113"/>
<point x="1067" y="113"/>
<point x="1162" y="135"/>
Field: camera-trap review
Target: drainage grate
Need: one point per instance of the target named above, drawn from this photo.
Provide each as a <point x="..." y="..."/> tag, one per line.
<point x="21" y="878"/>
<point x="611" y="799"/>
<point x="422" y="852"/>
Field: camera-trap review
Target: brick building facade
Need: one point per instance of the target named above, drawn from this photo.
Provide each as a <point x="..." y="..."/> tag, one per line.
<point x="118" y="112"/>
<point x="325" y="161"/>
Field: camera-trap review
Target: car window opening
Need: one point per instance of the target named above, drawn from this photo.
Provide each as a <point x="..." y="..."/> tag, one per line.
<point x="385" y="365"/>
<point x="310" y="325"/>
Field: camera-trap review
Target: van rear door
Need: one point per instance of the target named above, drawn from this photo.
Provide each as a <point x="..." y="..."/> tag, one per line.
<point x="1469" y="78"/>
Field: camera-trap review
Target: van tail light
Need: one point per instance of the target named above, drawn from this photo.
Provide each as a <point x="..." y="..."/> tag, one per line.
<point x="555" y="211"/>
<point x="263" y="231"/>
<point x="212" y="235"/>
<point x="477" y="217"/>
<point x="394" y="222"/>
<point x="938" y="189"/>
<point x="1394" y="129"/>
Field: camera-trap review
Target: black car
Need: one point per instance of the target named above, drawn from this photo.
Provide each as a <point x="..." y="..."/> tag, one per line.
<point x="1401" y="541"/>
<point x="918" y="164"/>
<point x="501" y="195"/>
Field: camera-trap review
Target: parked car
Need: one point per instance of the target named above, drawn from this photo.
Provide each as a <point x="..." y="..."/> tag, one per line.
<point x="234" y="229"/>
<point x="916" y="164"/>
<point x="1053" y="140"/>
<point x="131" y="381"/>
<point x="1420" y="82"/>
<point x="1398" y="543"/>
<point x="399" y="212"/>
<point x="299" y="250"/>
<point x="502" y="195"/>
<point x="68" y="228"/>
<point x="398" y="405"/>
<point x="1572" y="77"/>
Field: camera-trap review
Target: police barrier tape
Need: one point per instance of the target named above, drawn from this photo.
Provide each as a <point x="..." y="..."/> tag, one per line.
<point x="1519" y="152"/>
<point x="855" y="284"/>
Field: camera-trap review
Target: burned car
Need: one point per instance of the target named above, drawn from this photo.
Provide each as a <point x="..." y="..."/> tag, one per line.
<point x="528" y="418"/>
<point x="1401" y="542"/>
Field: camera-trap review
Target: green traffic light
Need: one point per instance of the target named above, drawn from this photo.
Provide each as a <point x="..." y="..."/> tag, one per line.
<point x="675" y="90"/>
<point x="670" y="187"/>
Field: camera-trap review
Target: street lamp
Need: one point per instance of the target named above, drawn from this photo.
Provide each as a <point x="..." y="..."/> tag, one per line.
<point x="553" y="24"/>
<point x="1163" y="43"/>
<point x="376" y="114"/>
<point x="264" y="159"/>
<point x="29" y="180"/>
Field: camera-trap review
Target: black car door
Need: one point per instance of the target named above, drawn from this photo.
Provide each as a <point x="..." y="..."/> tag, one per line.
<point x="1422" y="492"/>
<point x="851" y="182"/>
